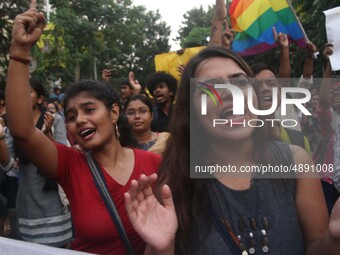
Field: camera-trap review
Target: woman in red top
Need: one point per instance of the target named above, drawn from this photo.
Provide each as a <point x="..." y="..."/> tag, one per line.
<point x="93" y="118"/>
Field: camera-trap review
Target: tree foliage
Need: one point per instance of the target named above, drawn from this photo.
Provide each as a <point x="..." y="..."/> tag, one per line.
<point x="196" y="27"/>
<point x="8" y="11"/>
<point x="110" y="34"/>
<point x="310" y="13"/>
<point x="312" y="18"/>
<point x="90" y="35"/>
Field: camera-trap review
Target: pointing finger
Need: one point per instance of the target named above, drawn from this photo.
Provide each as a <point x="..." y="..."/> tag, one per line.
<point x="33" y="5"/>
<point x="275" y="33"/>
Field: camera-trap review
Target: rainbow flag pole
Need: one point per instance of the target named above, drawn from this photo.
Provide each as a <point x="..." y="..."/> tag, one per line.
<point x="253" y="21"/>
<point x="298" y="21"/>
<point x="301" y="27"/>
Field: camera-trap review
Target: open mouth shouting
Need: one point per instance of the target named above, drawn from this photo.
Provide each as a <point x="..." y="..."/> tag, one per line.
<point x="87" y="134"/>
<point x="159" y="97"/>
<point x="267" y="101"/>
<point x="233" y="119"/>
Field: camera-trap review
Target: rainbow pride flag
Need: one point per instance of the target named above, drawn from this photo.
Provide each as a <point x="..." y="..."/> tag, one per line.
<point x="254" y="20"/>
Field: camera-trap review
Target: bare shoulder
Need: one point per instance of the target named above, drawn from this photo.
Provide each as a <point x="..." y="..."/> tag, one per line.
<point x="300" y="155"/>
<point x="303" y="163"/>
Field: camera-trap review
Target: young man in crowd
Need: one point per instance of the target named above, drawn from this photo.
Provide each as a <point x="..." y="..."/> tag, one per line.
<point x="163" y="87"/>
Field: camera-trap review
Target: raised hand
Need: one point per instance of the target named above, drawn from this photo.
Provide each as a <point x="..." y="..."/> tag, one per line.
<point x="311" y="49"/>
<point x="180" y="70"/>
<point x="134" y="83"/>
<point x="227" y="36"/>
<point x="220" y="10"/>
<point x="281" y="39"/>
<point x="48" y="122"/>
<point x="27" y="29"/>
<point x="328" y="50"/>
<point x="156" y="223"/>
<point x="106" y="74"/>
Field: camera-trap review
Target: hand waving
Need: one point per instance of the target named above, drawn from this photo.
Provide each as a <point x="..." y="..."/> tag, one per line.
<point x="134" y="83"/>
<point x="27" y="29"/>
<point x="154" y="222"/>
<point x="106" y="74"/>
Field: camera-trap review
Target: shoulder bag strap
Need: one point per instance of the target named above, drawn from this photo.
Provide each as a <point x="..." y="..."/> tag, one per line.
<point x="224" y="233"/>
<point x="99" y="180"/>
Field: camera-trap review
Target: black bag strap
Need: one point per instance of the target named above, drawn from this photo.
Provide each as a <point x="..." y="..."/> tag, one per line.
<point x="224" y="233"/>
<point x="99" y="180"/>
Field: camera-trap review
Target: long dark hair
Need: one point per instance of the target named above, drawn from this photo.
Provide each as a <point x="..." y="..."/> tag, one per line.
<point x="190" y="194"/>
<point x="103" y="93"/>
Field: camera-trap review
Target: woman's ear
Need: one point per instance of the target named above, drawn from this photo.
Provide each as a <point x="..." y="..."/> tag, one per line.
<point x="115" y="112"/>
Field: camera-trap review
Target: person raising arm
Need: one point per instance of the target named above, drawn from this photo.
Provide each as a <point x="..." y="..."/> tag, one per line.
<point x="27" y="30"/>
<point x="94" y="119"/>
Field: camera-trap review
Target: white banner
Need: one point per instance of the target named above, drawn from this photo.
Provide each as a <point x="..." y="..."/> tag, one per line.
<point x="333" y="35"/>
<point x="14" y="247"/>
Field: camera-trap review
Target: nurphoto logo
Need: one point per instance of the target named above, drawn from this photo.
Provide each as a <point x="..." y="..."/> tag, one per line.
<point x="238" y="102"/>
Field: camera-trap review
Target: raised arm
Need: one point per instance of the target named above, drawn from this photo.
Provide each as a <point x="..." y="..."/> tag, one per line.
<point x="324" y="93"/>
<point x="218" y="37"/>
<point x="27" y="29"/>
<point x="309" y="61"/>
<point x="285" y="68"/>
<point x="217" y="24"/>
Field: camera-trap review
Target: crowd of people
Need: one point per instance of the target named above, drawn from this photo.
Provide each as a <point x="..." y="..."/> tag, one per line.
<point x="53" y="150"/>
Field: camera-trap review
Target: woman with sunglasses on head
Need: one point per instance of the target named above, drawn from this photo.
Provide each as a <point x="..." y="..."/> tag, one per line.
<point x="93" y="118"/>
<point x="138" y="111"/>
<point x="238" y="212"/>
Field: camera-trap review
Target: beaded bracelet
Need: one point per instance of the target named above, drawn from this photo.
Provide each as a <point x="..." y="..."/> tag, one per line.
<point x="20" y="59"/>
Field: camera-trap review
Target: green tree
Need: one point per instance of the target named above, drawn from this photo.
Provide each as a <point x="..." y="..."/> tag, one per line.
<point x="90" y="35"/>
<point x="8" y="11"/>
<point x="312" y="18"/>
<point x="108" y="34"/>
<point x="196" y="27"/>
<point x="198" y="36"/>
